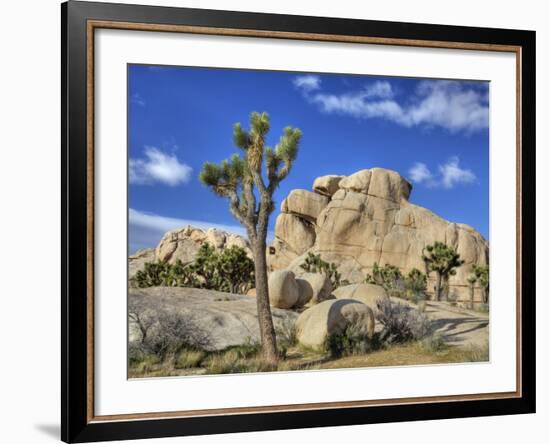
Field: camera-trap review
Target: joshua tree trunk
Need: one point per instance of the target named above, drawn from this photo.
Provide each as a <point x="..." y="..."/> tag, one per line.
<point x="267" y="331"/>
<point x="472" y="296"/>
<point x="438" y="286"/>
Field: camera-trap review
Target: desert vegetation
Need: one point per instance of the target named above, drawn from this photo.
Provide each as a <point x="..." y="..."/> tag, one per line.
<point x="314" y="264"/>
<point x="412" y="286"/>
<point x="230" y="271"/>
<point x="180" y="347"/>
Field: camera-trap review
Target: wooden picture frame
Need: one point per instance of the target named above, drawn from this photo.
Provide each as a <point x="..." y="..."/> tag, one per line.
<point x="79" y="22"/>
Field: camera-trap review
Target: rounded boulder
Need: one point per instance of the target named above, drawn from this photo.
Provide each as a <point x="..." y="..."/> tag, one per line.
<point x="314" y="288"/>
<point x="317" y="323"/>
<point x="283" y="289"/>
<point x="366" y="293"/>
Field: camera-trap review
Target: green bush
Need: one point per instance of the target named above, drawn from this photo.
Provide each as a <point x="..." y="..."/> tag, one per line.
<point x="231" y="271"/>
<point x="314" y="264"/>
<point x="412" y="286"/>
<point x="152" y="275"/>
<point x="350" y="341"/>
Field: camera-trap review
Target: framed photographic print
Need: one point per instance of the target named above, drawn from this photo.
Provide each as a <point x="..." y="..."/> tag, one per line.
<point x="276" y="221"/>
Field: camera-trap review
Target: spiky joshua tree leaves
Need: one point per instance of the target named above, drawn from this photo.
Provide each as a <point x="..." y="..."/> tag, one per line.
<point x="443" y="260"/>
<point x="244" y="179"/>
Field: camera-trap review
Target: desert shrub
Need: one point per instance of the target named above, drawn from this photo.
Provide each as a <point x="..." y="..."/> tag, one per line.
<point x="399" y="322"/>
<point x="219" y="364"/>
<point x="235" y="270"/>
<point x="286" y="336"/>
<point x="163" y="333"/>
<point x="189" y="359"/>
<point x="412" y="286"/>
<point x="152" y="275"/>
<point x="180" y="275"/>
<point x="231" y="271"/>
<point x="388" y="276"/>
<point x="314" y="264"/>
<point x="351" y="341"/>
<point x="246" y="350"/>
<point x="483" y="308"/>
<point x="240" y="359"/>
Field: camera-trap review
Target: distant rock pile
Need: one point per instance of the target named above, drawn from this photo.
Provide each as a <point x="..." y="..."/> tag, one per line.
<point x="184" y="244"/>
<point x="364" y="218"/>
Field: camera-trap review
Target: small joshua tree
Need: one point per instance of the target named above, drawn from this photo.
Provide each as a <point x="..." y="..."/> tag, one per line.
<point x="472" y="279"/>
<point x="481" y="273"/>
<point x="415" y="285"/>
<point x="388" y="276"/>
<point x="444" y="261"/>
<point x="239" y="179"/>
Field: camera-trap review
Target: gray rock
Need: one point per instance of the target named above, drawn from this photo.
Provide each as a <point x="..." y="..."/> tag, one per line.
<point x="219" y="319"/>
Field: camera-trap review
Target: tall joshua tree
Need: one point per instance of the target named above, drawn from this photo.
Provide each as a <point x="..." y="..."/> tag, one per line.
<point x="242" y="181"/>
<point x="442" y="259"/>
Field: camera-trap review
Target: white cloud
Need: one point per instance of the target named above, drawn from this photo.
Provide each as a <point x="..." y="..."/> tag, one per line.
<point x="449" y="174"/>
<point x="137" y="99"/>
<point x="158" y="167"/>
<point x="419" y="173"/>
<point x="452" y="105"/>
<point x="146" y="229"/>
<point x="307" y="83"/>
<point x="452" y="174"/>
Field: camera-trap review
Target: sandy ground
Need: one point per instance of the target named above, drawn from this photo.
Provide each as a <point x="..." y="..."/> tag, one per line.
<point x="459" y="326"/>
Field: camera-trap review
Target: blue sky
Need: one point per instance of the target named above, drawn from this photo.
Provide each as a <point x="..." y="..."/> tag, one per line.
<point x="434" y="132"/>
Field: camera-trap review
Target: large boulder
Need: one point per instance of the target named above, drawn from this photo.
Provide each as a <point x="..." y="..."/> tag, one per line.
<point x="368" y="294"/>
<point x="317" y="323"/>
<point x="313" y="288"/>
<point x="184" y="243"/>
<point x="304" y="204"/>
<point x="327" y="185"/>
<point x="369" y="219"/>
<point x="213" y="319"/>
<point x="297" y="234"/>
<point x="283" y="289"/>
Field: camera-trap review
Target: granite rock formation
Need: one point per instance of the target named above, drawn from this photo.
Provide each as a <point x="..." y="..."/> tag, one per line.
<point x="364" y="218"/>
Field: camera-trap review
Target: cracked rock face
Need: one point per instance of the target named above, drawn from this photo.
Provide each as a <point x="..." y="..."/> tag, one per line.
<point x="368" y="218"/>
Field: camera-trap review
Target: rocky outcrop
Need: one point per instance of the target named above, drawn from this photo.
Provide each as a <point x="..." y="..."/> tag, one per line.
<point x="327" y="185"/>
<point x="183" y="244"/>
<point x="368" y="218"/>
<point x="218" y="320"/>
<point x="317" y="323"/>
